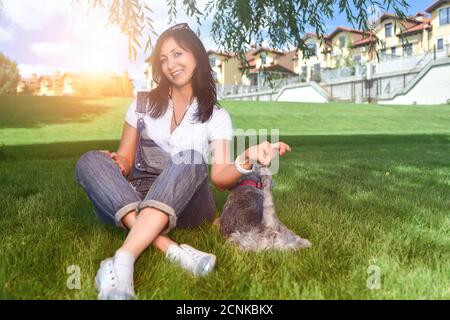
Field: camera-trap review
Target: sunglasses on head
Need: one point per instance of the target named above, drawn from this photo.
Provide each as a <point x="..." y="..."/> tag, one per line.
<point x="179" y="26"/>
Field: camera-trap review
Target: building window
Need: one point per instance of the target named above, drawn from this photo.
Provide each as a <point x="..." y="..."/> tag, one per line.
<point x="388" y="29"/>
<point x="394" y="51"/>
<point x="253" y="80"/>
<point x="408" y="49"/>
<point x="212" y="61"/>
<point x="357" y="59"/>
<point x="263" y="57"/>
<point x="440" y="44"/>
<point x="341" y="42"/>
<point x="444" y="16"/>
<point x="311" y="51"/>
<point x="215" y="77"/>
<point x="304" y="71"/>
<point x="383" y="53"/>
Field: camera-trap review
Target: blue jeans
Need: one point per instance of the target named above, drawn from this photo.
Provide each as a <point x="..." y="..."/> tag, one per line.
<point x="176" y="185"/>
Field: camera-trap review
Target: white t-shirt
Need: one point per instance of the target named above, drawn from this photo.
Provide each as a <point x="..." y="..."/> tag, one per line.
<point x="190" y="134"/>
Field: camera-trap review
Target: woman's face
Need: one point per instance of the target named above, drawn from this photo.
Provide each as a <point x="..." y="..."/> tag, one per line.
<point x="177" y="64"/>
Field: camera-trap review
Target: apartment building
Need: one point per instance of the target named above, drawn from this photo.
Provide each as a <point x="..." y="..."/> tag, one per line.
<point x="225" y="66"/>
<point x="390" y="38"/>
<point x="314" y="58"/>
<point x="440" y="24"/>
<point x="403" y="37"/>
<point x="265" y="62"/>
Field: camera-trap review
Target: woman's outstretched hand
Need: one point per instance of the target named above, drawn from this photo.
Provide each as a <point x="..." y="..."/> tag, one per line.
<point x="264" y="152"/>
<point x="120" y="161"/>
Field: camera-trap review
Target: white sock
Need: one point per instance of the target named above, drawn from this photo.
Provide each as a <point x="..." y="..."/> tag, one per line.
<point x="124" y="266"/>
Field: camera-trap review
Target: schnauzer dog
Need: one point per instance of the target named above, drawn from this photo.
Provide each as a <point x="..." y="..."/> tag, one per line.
<point x="249" y="219"/>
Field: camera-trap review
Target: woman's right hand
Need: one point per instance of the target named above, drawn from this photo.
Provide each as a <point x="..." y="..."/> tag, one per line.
<point x="264" y="152"/>
<point x="120" y="161"/>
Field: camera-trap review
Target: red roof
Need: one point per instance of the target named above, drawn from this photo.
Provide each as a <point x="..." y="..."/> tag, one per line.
<point x="220" y="53"/>
<point x="393" y="16"/>
<point x="255" y="52"/>
<point x="436" y="5"/>
<point x="313" y="34"/>
<point x="425" y="25"/>
<point x="340" y="28"/>
<point x="421" y="14"/>
<point x="365" y="41"/>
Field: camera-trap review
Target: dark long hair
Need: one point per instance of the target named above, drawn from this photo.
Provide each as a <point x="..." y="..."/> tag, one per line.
<point x="204" y="88"/>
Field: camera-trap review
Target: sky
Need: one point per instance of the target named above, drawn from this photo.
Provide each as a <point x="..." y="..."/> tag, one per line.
<point x="43" y="36"/>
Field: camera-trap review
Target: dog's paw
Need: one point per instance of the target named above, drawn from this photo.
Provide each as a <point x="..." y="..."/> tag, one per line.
<point x="304" y="243"/>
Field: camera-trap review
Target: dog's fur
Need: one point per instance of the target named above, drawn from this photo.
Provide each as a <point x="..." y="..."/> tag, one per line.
<point x="249" y="219"/>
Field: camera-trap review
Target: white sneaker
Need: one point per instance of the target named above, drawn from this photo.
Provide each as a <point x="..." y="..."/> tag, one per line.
<point x="108" y="285"/>
<point x="195" y="261"/>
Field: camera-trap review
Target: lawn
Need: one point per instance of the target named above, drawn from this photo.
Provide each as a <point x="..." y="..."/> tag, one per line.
<point x="368" y="185"/>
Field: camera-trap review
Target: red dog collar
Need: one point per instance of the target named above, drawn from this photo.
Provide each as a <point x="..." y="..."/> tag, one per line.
<point x="250" y="183"/>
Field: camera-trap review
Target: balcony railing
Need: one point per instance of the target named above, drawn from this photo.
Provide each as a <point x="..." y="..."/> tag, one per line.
<point x="387" y="64"/>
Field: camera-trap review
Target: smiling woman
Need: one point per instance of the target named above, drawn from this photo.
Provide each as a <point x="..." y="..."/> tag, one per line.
<point x="158" y="178"/>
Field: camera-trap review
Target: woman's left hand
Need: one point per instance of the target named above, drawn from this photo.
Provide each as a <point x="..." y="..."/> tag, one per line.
<point x="121" y="162"/>
<point x="264" y="152"/>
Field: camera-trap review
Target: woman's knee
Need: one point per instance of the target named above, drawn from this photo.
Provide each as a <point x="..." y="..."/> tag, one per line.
<point x="87" y="163"/>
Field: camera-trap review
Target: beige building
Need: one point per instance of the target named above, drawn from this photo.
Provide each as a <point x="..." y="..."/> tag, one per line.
<point x="225" y="66"/>
<point x="71" y="81"/>
<point x="106" y="84"/>
<point x="343" y="53"/>
<point x="403" y="37"/>
<point x="48" y="86"/>
<point x="342" y="48"/>
<point x="390" y="37"/>
<point x="440" y="22"/>
<point x="265" y="62"/>
<point x="315" y="57"/>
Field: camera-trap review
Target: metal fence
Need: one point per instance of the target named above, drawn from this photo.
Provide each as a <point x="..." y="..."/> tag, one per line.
<point x="273" y="85"/>
<point x="338" y="73"/>
<point x="387" y="64"/>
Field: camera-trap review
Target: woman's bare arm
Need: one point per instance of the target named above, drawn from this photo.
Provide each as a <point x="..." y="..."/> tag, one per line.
<point x="124" y="156"/>
<point x="224" y="173"/>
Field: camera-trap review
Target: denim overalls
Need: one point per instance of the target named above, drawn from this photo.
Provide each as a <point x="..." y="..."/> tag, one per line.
<point x="177" y="185"/>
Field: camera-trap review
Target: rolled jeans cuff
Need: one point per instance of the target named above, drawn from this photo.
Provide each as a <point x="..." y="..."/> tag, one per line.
<point x="164" y="208"/>
<point x="123" y="212"/>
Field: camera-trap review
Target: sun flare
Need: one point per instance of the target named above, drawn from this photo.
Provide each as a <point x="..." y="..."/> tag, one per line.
<point x="100" y="47"/>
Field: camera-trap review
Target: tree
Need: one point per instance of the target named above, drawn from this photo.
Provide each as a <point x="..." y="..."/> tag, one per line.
<point x="9" y="75"/>
<point x="237" y="24"/>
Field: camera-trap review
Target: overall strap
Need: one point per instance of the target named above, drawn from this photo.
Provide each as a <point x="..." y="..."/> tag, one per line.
<point x="141" y="109"/>
<point x="141" y="102"/>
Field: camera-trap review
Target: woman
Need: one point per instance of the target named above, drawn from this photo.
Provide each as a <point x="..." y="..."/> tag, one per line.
<point x="158" y="178"/>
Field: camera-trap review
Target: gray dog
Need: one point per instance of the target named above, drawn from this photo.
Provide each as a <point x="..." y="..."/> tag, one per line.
<point x="249" y="219"/>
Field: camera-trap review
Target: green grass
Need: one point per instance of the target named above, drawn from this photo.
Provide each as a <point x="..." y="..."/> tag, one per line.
<point x="368" y="185"/>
